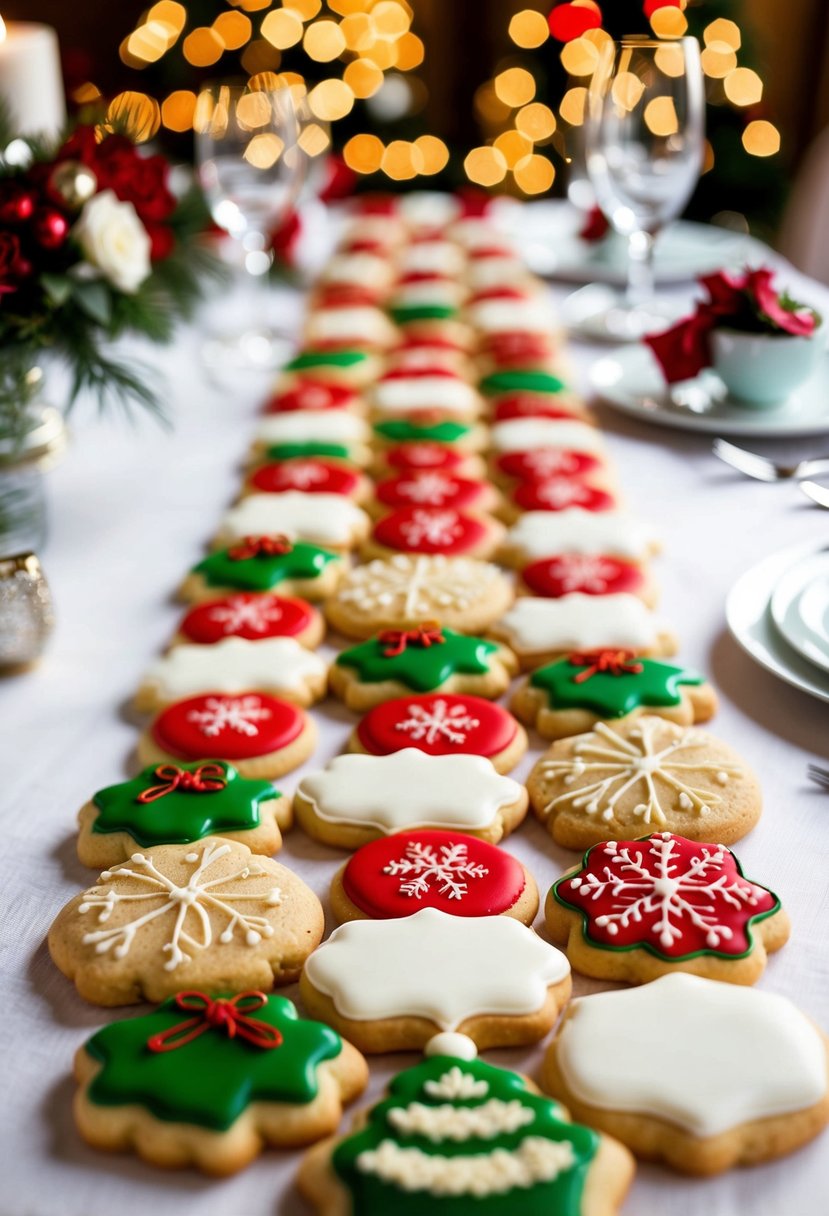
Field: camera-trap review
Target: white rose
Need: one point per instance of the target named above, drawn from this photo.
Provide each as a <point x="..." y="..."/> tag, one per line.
<point x="114" y="240"/>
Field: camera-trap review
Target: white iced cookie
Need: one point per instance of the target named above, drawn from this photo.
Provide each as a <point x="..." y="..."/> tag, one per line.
<point x="433" y="291"/>
<point x="358" y="798"/>
<point x="432" y="257"/>
<point x="478" y="232"/>
<point x="428" y="208"/>
<point x="496" y="272"/>
<point x="385" y="229"/>
<point x="442" y="393"/>
<point x="279" y="666"/>
<point x="363" y="325"/>
<point x="540" y="630"/>
<point x="489" y="977"/>
<point x="748" y="1081"/>
<point x="364" y="269"/>
<point x="540" y="534"/>
<point x="329" y="520"/>
<point x="339" y="428"/>
<point x="510" y="316"/>
<point x="529" y="434"/>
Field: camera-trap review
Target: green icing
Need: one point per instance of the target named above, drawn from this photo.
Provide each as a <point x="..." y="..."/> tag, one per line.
<point x="211" y="1080"/>
<point x="412" y="432"/>
<point x="613" y="696"/>
<point x="325" y="358"/>
<point x="422" y="312"/>
<point x="420" y="668"/>
<point x="183" y="815"/>
<point x="288" y="451"/>
<point x="263" y="572"/>
<point x="372" y="1196"/>
<point x="521" y="381"/>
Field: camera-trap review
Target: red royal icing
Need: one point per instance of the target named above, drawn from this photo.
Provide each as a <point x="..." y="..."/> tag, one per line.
<point x="347" y="293"/>
<point x="311" y="476"/>
<point x="366" y="244"/>
<point x="559" y="494"/>
<point x="420" y="456"/>
<point x="223" y="727"/>
<point x="591" y="575"/>
<point x="432" y="488"/>
<point x="429" y="530"/>
<point x="424" y="276"/>
<point x="418" y="373"/>
<point x="482" y="252"/>
<point x="246" y="615"/>
<point x="504" y="292"/>
<point x="439" y="724"/>
<point x="400" y="874"/>
<point x="526" y="405"/>
<point x="544" y="463"/>
<point x="412" y="340"/>
<point x="311" y="395"/>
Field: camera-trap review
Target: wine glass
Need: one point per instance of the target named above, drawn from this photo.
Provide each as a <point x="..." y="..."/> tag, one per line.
<point x="644" y="144"/>
<point x="251" y="166"/>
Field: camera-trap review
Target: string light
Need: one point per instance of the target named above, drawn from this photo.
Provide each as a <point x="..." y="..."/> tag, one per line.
<point x="536" y="121"/>
<point x="282" y="28"/>
<point x="743" y="87"/>
<point x="514" y="87"/>
<point x="528" y="29"/>
<point x="761" y="138"/>
<point x="485" y="166"/>
<point x="363" y="153"/>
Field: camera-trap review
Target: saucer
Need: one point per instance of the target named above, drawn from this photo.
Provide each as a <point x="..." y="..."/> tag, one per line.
<point x="800" y="608"/>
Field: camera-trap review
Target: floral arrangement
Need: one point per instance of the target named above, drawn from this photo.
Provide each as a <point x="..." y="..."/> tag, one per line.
<point x="748" y="303"/>
<point x="93" y="244"/>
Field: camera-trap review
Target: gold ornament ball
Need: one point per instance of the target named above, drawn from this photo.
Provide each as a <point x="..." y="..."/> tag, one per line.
<point x="73" y="182"/>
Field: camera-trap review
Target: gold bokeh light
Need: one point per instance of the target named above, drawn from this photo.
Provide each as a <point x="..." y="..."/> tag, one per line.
<point x="761" y="138"/>
<point x="528" y="29"/>
<point x="514" y="87"/>
<point x="485" y="166"/>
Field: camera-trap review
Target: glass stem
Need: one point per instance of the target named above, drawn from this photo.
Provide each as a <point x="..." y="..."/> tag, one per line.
<point x="641" y="279"/>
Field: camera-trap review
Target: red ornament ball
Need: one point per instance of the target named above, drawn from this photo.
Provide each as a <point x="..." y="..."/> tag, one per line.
<point x="651" y="6"/>
<point x="17" y="203"/>
<point x="569" y="21"/>
<point x="51" y="228"/>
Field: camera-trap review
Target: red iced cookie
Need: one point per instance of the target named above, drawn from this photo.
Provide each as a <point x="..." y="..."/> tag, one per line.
<point x="559" y="494"/>
<point x="311" y="395"/>
<point x="432" y="488"/>
<point x="419" y="456"/>
<point x="421" y="373"/>
<point x="411" y="341"/>
<point x="247" y="615"/>
<point x="222" y="727"/>
<point x="350" y="293"/>
<point x="516" y="348"/>
<point x="528" y="405"/>
<point x="429" y="530"/>
<point x="310" y="475"/>
<point x="439" y="724"/>
<point x="591" y="575"/>
<point x="398" y="875"/>
<point x="544" y="463"/>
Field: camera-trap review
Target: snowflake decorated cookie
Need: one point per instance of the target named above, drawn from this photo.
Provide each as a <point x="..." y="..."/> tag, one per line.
<point x="489" y="977"/>
<point x="311" y="475"/>
<point x="400" y="874"/>
<point x="426" y="658"/>
<point x="253" y="616"/>
<point x="589" y="574"/>
<point x="263" y="736"/>
<point x="208" y="1080"/>
<point x="457" y="1135"/>
<point x="314" y="395"/>
<point x="434" y="530"/>
<point x="205" y="915"/>
<point x="442" y="724"/>
<point x="358" y="798"/>
<point x="541" y="464"/>
<point x="306" y="434"/>
<point x="279" y="666"/>
<point x="637" y="909"/>
<point x="437" y="489"/>
<point x="558" y="494"/>
<point x="701" y="1075"/>
<point x="324" y="519"/>
<point x="180" y="804"/>
<point x="404" y="459"/>
<point x="644" y="773"/>
<point x="546" y="534"/>
<point x="403" y="590"/>
<point x="572" y="694"/>
<point x="262" y="564"/>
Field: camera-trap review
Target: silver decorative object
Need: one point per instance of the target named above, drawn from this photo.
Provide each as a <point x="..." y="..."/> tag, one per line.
<point x="26" y="617"/>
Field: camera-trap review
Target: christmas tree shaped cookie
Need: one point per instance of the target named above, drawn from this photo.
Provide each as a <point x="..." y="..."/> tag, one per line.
<point x="427" y="658"/>
<point x="209" y="1080"/>
<point x="570" y="695"/>
<point x="457" y="1135"/>
<point x="264" y="563"/>
<point x="180" y="804"/>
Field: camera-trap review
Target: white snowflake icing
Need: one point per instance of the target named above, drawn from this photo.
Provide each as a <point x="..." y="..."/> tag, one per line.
<point x="440" y="721"/>
<point x="580" y="572"/>
<point x="448" y="868"/>
<point x="302" y="474"/>
<point x="432" y="488"/>
<point x="419" y="454"/>
<point x="561" y="492"/>
<point x="457" y="1084"/>
<point x="191" y="902"/>
<point x="642" y="887"/>
<point x="239" y="714"/>
<point x="433" y="528"/>
<point x="547" y="462"/>
<point x="237" y="613"/>
<point x="625" y="764"/>
<point x="407" y="586"/>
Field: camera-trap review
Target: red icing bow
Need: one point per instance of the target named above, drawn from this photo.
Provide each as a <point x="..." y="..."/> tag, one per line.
<point x="606" y="662"/>
<point x="227" y="1015"/>
<point x="259" y="546"/>
<point x="396" y="640"/>
<point x="203" y="780"/>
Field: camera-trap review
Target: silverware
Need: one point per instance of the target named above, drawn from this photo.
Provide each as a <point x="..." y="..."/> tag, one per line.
<point x="820" y="775"/>
<point x="763" y="469"/>
<point x="818" y="494"/>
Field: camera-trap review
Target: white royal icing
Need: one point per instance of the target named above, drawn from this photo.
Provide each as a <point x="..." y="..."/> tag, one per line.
<point x="321" y="519"/>
<point x="433" y="291"/>
<point x="436" y="966"/>
<point x="446" y="1122"/>
<point x="592" y="533"/>
<point x="412" y="586"/>
<point x="509" y="316"/>
<point x="455" y="1083"/>
<point x="364" y="269"/>
<point x="579" y="622"/>
<point x="305" y="426"/>
<point x="439" y="257"/>
<point x="426" y="392"/>
<point x="448" y="1043"/>
<point x="536" y="1160"/>
<point x="496" y="272"/>
<point x="478" y="232"/>
<point x="428" y="208"/>
<point x="703" y="1055"/>
<point x="529" y="434"/>
<point x="234" y="665"/>
<point x="357" y="323"/>
<point x="409" y="789"/>
<point x="385" y="228"/>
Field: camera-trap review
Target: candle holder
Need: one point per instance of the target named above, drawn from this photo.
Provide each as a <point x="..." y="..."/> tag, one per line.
<point x="26" y="617"/>
<point x="32" y="438"/>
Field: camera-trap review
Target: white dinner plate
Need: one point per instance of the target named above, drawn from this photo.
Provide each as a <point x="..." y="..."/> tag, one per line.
<point x="748" y="613"/>
<point x="800" y="608"/>
<point x="630" y="380"/>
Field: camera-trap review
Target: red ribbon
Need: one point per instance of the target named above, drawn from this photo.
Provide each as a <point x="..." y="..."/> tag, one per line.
<point x="606" y="662"/>
<point x="398" y="639"/>
<point x="259" y="546"/>
<point x="229" y="1016"/>
<point x="203" y="780"/>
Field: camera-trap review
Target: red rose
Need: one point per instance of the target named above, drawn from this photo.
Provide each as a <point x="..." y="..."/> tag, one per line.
<point x="162" y="241"/>
<point x="683" y="351"/>
<point x="13" y="266"/>
<point x="725" y="293"/>
<point x="799" y="324"/>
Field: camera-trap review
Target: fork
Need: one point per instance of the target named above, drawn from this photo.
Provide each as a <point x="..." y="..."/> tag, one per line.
<point x="820" y="775"/>
<point x="763" y="469"/>
<point x="818" y="494"/>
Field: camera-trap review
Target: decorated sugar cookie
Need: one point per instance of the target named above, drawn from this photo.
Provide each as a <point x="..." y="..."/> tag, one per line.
<point x="407" y="588"/>
<point x="310" y="394"/>
<point x="442" y="724"/>
<point x="180" y="804"/>
<point x="445" y="394"/>
<point x="432" y="530"/>
<point x="568" y="696"/>
<point x="459" y="1135"/>
<point x="434" y="488"/>
<point x="588" y="574"/>
<point x="543" y="534"/>
<point x="544" y="463"/>
<point x="559" y="494"/>
<point x="442" y="257"/>
<point x="350" y="324"/>
<point x="531" y="434"/>
<point x="264" y="563"/>
<point x="324" y="519"/>
<point x="186" y="916"/>
<point x="489" y="977"/>
<point x="339" y="434"/>
<point x="517" y="351"/>
<point x="228" y="1073"/>
<point x="426" y="658"/>
<point x="310" y="476"/>
<point x="252" y="616"/>
<point x="367" y="269"/>
<point x="406" y="458"/>
<point x="280" y="666"/>
<point x="336" y="364"/>
<point x="749" y="1084"/>
<point x="639" y="774"/>
<point x="358" y="798"/>
<point x="262" y="735"/>
<point x="637" y="909"/>
<point x="522" y="380"/>
<point x="537" y="405"/>
<point x="430" y="427"/>
<point x="423" y="356"/>
<point x="533" y="315"/>
<point x="398" y="875"/>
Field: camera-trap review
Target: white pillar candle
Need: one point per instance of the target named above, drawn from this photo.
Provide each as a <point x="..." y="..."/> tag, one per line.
<point x="31" y="84"/>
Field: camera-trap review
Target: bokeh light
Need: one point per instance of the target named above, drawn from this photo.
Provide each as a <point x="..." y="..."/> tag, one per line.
<point x="536" y="121"/>
<point x="363" y="153"/>
<point x="485" y="166"/>
<point x="514" y="87"/>
<point x="528" y="29"/>
<point x="761" y="138"/>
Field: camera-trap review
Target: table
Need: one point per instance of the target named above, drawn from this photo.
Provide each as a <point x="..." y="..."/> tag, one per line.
<point x="131" y="510"/>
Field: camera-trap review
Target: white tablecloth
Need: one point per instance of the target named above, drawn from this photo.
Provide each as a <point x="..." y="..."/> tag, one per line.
<point x="131" y="510"/>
